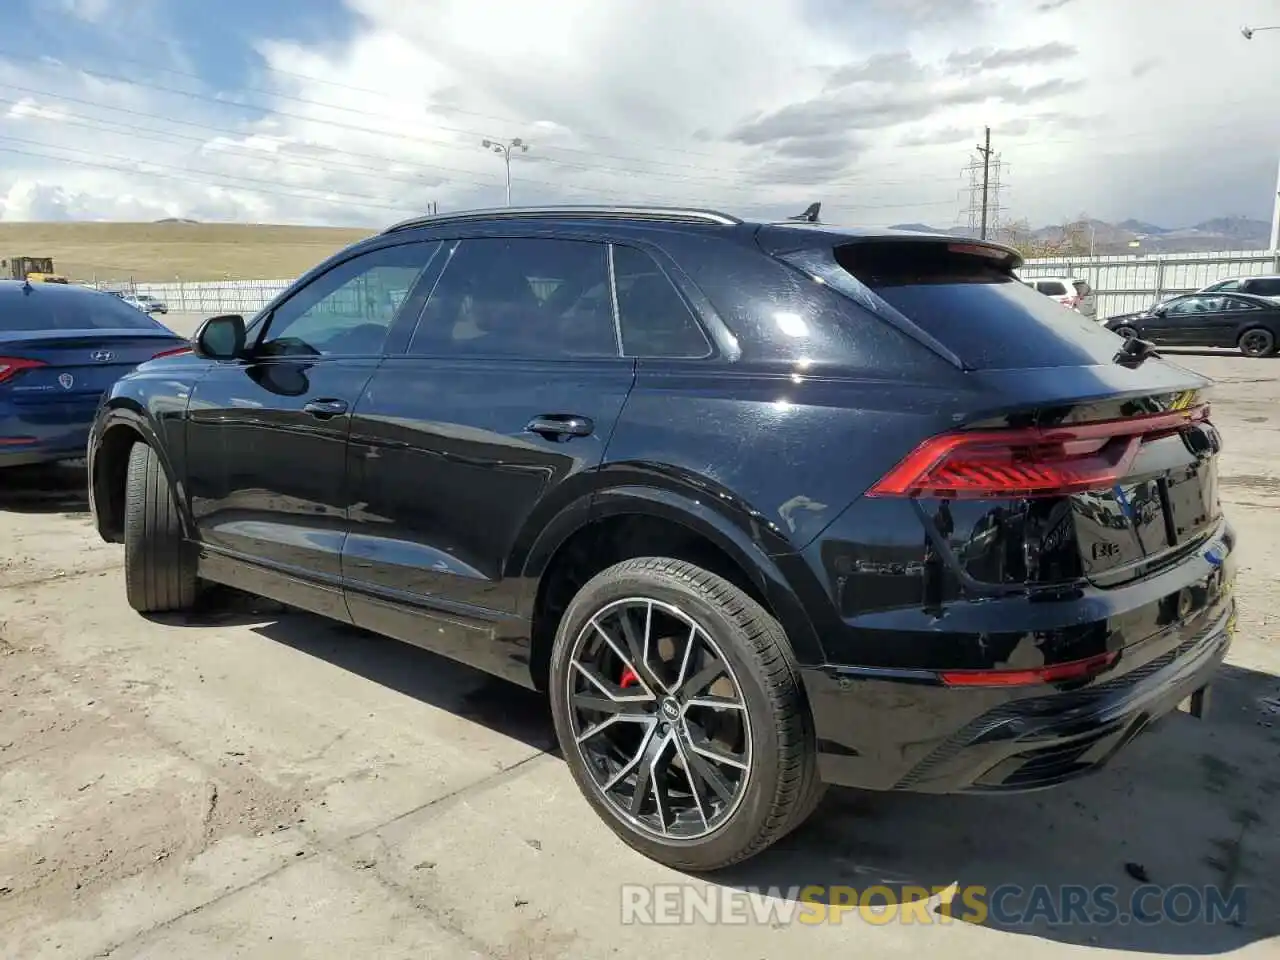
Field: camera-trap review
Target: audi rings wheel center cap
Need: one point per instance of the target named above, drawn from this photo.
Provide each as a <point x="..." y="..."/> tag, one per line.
<point x="670" y="710"/>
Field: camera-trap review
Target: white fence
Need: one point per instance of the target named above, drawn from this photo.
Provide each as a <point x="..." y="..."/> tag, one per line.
<point x="1127" y="283"/>
<point x="1122" y="283"/>
<point x="213" y="297"/>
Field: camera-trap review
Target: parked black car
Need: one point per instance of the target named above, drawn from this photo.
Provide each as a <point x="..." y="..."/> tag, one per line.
<point x="1248" y="322"/>
<point x="761" y="506"/>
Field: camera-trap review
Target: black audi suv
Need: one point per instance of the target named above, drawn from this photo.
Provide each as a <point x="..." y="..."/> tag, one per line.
<point x="761" y="506"/>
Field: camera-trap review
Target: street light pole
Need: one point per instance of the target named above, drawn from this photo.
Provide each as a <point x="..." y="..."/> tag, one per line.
<point x="1247" y="33"/>
<point x="497" y="146"/>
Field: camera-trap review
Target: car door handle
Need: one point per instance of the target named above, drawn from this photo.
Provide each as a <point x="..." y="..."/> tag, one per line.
<point x="323" y="409"/>
<point x="561" y="426"/>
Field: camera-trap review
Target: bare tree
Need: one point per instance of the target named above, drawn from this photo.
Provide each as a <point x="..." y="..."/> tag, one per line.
<point x="1073" y="238"/>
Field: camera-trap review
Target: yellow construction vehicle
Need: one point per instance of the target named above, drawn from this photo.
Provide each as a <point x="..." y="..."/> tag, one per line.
<point x="31" y="269"/>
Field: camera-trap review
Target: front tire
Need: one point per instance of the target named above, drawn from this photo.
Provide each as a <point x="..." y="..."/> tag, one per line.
<point x="1126" y="331"/>
<point x="159" y="563"/>
<point x="679" y="709"/>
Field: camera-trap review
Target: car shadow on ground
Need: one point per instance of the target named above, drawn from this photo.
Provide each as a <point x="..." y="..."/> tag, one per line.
<point x="505" y="708"/>
<point x="59" y="488"/>
<point x="1188" y="813"/>
<point x="1189" y="807"/>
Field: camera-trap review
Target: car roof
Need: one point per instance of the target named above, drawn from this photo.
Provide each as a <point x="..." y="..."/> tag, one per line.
<point x="692" y="217"/>
<point x="70" y="290"/>
<point x="1257" y="298"/>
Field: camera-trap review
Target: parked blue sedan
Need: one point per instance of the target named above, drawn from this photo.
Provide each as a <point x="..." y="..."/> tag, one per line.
<point x="61" y="347"/>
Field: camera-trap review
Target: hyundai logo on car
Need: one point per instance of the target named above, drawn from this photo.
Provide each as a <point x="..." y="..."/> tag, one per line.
<point x="102" y="356"/>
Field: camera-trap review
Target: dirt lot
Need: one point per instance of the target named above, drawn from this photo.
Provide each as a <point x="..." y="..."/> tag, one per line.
<point x="176" y="251"/>
<point x="249" y="782"/>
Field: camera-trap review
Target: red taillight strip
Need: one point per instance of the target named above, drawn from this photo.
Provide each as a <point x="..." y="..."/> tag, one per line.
<point x="173" y="351"/>
<point x="1029" y="462"/>
<point x="10" y="367"/>
<point x="1057" y="673"/>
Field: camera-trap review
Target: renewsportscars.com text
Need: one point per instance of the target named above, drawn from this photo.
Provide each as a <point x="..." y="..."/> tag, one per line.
<point x="1006" y="905"/>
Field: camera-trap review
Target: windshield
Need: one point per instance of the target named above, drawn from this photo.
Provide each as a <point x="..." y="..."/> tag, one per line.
<point x="38" y="310"/>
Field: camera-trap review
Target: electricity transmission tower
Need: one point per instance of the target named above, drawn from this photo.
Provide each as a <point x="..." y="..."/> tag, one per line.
<point x="984" y="170"/>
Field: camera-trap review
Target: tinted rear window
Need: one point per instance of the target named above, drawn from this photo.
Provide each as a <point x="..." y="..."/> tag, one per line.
<point x="1269" y="287"/>
<point x="63" y="310"/>
<point x="975" y="307"/>
<point x="1051" y="288"/>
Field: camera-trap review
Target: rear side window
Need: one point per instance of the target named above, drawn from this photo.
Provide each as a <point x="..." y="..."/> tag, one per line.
<point x="1051" y="288"/>
<point x="1222" y="285"/>
<point x="58" y="310"/>
<point x="973" y="306"/>
<point x="653" y="317"/>
<point x="1266" y="287"/>
<point x="522" y="298"/>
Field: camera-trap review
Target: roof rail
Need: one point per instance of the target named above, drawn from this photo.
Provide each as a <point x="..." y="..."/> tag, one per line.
<point x="667" y="214"/>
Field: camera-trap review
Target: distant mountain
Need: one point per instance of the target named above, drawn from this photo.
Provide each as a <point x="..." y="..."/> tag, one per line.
<point x="1140" y="226"/>
<point x="177" y="220"/>
<point x="1128" y="236"/>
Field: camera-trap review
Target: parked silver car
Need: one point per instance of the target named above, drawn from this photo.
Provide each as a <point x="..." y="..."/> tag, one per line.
<point x="1072" y="292"/>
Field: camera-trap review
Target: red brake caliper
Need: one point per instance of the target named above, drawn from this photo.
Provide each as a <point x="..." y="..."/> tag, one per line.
<point x="629" y="678"/>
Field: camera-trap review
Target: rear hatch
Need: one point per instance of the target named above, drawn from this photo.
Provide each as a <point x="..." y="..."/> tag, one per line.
<point x="1077" y="465"/>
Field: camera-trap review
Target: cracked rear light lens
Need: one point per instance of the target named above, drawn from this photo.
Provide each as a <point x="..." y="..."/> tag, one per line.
<point x="1031" y="462"/>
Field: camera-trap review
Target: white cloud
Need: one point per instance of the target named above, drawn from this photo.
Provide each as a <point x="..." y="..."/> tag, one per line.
<point x="91" y="11"/>
<point x="872" y="107"/>
<point x="29" y="107"/>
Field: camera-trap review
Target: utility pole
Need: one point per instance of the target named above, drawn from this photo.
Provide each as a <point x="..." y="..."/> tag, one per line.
<point x="985" y="150"/>
<point x="984" y="169"/>
<point x="498" y="146"/>
<point x="1248" y="33"/>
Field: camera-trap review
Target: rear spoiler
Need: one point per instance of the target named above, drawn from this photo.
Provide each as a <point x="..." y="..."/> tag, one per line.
<point x="783" y="238"/>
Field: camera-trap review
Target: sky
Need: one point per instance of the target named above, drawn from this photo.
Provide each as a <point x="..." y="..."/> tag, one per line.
<point x="363" y="112"/>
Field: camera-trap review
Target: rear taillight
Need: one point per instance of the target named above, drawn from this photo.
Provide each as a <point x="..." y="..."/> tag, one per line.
<point x="1073" y="302"/>
<point x="10" y="367"/>
<point x="173" y="351"/>
<point x="1032" y="462"/>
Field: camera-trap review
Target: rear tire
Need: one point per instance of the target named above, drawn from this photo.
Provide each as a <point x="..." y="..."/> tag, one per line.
<point x="1257" y="343"/>
<point x="159" y="563"/>
<point x="745" y="734"/>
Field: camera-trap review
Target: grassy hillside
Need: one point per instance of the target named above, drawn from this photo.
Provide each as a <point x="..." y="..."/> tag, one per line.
<point x="168" y="251"/>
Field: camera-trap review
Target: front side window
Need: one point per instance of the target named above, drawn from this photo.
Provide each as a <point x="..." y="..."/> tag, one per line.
<point x="349" y="309"/>
<point x="654" y="319"/>
<point x="523" y="297"/>
<point x="1192" y="305"/>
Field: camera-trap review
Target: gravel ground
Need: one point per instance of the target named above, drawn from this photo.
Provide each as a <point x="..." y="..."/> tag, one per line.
<point x="250" y="782"/>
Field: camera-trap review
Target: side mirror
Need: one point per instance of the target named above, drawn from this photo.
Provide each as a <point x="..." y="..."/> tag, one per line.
<point x="220" y="338"/>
